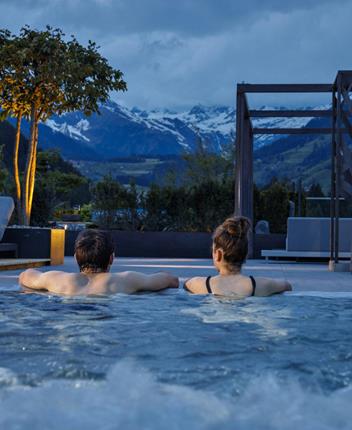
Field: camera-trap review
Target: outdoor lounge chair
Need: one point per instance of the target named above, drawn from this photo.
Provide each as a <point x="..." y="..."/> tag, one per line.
<point x="6" y="208"/>
<point x="309" y="237"/>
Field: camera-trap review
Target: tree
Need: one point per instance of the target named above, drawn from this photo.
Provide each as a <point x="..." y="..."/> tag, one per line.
<point x="204" y="166"/>
<point x="108" y="198"/>
<point x="274" y="205"/>
<point x="317" y="208"/>
<point x="132" y="203"/>
<point x="3" y="173"/>
<point x="13" y="101"/>
<point x="315" y="190"/>
<point x="200" y="200"/>
<point x="41" y="75"/>
<point x="55" y="184"/>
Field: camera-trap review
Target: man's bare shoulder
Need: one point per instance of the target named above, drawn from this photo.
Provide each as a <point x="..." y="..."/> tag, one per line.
<point x="59" y="275"/>
<point x="66" y="283"/>
<point x="120" y="282"/>
<point x="54" y="281"/>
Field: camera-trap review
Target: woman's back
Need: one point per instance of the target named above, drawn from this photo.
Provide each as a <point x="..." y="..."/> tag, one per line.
<point x="236" y="285"/>
<point x="230" y="248"/>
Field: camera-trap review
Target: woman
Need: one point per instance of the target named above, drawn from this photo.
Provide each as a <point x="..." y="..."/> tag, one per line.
<point x="230" y="248"/>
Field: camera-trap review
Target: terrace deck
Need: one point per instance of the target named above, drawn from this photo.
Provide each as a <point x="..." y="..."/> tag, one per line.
<point x="22" y="263"/>
<point x="282" y="253"/>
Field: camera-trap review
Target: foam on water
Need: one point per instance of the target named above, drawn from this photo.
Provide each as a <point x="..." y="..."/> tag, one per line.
<point x="265" y="317"/>
<point x="7" y="377"/>
<point x="130" y="398"/>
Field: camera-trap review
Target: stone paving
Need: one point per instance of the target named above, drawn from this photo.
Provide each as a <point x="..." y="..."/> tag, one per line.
<point x="302" y="276"/>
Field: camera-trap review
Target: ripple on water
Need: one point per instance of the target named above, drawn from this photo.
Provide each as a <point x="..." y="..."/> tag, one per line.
<point x="200" y="354"/>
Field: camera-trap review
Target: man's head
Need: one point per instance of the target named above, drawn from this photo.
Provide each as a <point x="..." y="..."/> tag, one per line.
<point x="94" y="251"/>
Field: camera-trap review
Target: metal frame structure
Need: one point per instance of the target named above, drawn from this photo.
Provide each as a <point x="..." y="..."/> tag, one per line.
<point x="245" y="132"/>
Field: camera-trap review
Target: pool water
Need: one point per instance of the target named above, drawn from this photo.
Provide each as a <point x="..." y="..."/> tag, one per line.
<point x="175" y="361"/>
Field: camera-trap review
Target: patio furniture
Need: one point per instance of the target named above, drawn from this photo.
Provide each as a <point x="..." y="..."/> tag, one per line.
<point x="6" y="208"/>
<point x="310" y="238"/>
<point x="44" y="246"/>
<point x="27" y="246"/>
<point x="262" y="227"/>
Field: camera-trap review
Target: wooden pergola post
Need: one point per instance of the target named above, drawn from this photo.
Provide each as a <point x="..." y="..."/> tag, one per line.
<point x="244" y="163"/>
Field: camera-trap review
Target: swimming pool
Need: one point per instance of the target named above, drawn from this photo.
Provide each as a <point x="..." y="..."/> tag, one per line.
<point x="175" y="361"/>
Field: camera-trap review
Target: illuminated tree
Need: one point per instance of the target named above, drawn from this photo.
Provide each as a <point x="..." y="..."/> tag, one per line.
<point x="13" y="97"/>
<point x="42" y="74"/>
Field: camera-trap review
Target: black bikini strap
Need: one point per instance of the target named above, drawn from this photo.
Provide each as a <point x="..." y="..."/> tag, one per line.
<point x="254" y="284"/>
<point x="207" y="284"/>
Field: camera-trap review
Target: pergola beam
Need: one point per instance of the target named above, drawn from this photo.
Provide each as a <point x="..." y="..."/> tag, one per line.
<point x="294" y="131"/>
<point x="284" y="88"/>
<point x="290" y="113"/>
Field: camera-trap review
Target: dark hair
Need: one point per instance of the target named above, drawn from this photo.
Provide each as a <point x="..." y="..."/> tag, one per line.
<point x="232" y="237"/>
<point x="93" y="249"/>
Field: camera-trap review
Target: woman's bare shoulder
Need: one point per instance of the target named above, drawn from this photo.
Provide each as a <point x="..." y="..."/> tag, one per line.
<point x="196" y="285"/>
<point x="269" y="286"/>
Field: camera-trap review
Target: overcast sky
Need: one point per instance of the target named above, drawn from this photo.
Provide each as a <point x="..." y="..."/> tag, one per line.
<point x="177" y="53"/>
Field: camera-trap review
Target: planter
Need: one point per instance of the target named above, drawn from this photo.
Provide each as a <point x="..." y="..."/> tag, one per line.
<point x="168" y="244"/>
<point x="164" y="244"/>
<point x="38" y="243"/>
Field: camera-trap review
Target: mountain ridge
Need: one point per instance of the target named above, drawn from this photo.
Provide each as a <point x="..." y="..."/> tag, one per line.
<point x="116" y="139"/>
<point x="120" y="132"/>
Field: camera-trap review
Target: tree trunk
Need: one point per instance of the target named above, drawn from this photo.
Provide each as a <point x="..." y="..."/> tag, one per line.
<point x="26" y="184"/>
<point x="16" y="174"/>
<point x="33" y="170"/>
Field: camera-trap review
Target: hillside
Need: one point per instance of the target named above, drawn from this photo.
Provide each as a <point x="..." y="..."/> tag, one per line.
<point x="293" y="158"/>
<point x="306" y="156"/>
<point x="69" y="147"/>
<point x="7" y="138"/>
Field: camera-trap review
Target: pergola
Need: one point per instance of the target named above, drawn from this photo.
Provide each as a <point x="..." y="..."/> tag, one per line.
<point x="245" y="132"/>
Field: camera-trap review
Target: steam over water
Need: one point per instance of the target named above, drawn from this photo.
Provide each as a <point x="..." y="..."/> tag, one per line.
<point x="175" y="361"/>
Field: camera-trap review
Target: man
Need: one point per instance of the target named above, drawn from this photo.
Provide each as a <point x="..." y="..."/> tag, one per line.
<point x="94" y="253"/>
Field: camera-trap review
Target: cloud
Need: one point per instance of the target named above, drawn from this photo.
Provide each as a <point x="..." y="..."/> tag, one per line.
<point x="180" y="53"/>
<point x="195" y="17"/>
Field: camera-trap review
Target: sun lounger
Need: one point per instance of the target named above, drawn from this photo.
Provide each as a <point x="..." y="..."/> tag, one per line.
<point x="6" y="208"/>
<point x="310" y="238"/>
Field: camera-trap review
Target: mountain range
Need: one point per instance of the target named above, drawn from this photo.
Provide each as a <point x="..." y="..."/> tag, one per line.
<point x="122" y="133"/>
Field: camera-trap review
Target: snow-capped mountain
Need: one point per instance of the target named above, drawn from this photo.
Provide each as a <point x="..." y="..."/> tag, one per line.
<point x="218" y="123"/>
<point x="123" y="132"/>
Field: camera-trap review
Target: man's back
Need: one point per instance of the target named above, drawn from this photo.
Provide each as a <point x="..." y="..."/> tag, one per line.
<point x="74" y="284"/>
<point x="94" y="253"/>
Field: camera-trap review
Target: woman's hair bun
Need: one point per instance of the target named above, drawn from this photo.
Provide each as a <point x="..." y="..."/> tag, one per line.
<point x="237" y="226"/>
<point x="232" y="238"/>
<point x="231" y="227"/>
